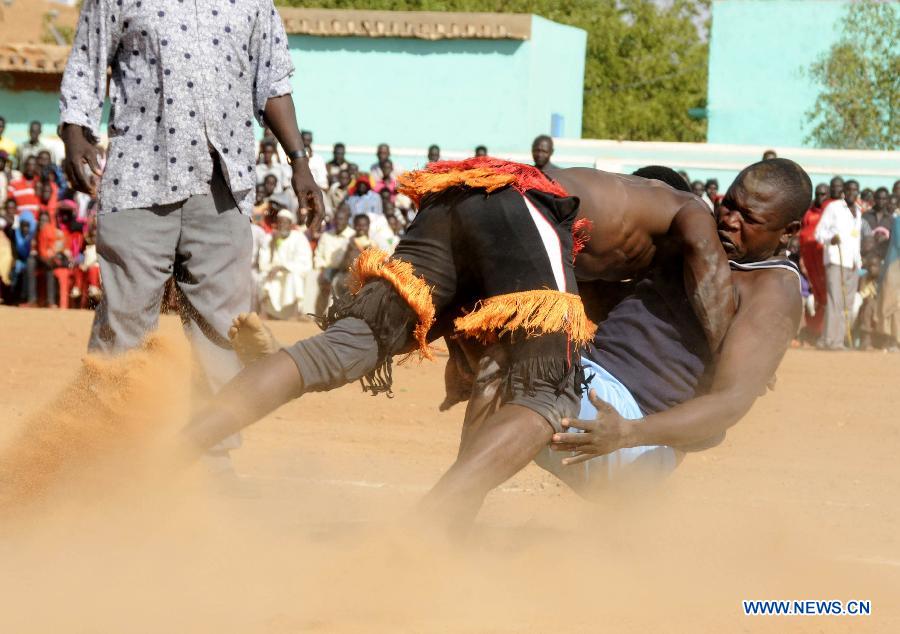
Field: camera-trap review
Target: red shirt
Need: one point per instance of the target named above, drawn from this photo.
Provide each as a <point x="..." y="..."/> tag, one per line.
<point x="22" y="191"/>
<point x="808" y="225"/>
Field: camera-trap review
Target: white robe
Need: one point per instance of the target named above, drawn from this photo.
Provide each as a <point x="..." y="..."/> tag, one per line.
<point x="282" y="291"/>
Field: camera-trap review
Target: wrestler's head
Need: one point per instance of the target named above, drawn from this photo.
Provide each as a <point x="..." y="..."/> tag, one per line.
<point x="762" y="209"/>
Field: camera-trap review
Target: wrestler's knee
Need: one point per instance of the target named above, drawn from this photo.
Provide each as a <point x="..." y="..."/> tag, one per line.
<point x="345" y="352"/>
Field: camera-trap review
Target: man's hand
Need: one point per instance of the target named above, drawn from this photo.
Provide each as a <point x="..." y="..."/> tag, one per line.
<point x="80" y="152"/>
<point x="308" y="193"/>
<point x="605" y="434"/>
<point x="836" y="240"/>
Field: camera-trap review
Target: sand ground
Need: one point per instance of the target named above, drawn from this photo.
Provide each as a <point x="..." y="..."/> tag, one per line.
<point x="799" y="502"/>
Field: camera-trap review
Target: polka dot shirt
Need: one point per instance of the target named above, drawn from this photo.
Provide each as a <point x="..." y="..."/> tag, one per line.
<point x="188" y="78"/>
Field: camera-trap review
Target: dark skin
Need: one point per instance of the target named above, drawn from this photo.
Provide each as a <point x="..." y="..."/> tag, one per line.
<point x="836" y="187"/>
<point x="639" y="224"/>
<point x="496" y="445"/>
<point x="821" y="195"/>
<point x="280" y="117"/>
<point x="541" y="151"/>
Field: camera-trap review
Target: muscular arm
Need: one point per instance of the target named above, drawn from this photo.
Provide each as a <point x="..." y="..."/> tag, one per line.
<point x="707" y="277"/>
<point x="751" y="352"/>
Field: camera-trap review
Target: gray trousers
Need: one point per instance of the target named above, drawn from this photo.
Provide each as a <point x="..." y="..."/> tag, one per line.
<point x="835" y="332"/>
<point x="138" y="249"/>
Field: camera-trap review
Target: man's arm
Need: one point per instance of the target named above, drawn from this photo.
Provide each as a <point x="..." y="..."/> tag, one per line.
<point x="83" y="90"/>
<point x="756" y="342"/>
<point x="826" y="229"/>
<point x="707" y="276"/>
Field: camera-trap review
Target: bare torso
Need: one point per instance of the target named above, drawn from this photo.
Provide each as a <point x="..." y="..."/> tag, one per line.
<point x="630" y="219"/>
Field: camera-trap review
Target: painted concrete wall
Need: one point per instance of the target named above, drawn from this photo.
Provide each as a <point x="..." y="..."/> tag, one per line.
<point x="759" y="50"/>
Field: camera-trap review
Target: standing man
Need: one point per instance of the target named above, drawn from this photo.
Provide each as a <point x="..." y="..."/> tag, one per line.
<point x="880" y="220"/>
<point x="187" y="82"/>
<point x="33" y="146"/>
<point x="836" y="188"/>
<point x="541" y="151"/>
<point x="812" y="257"/>
<point x="840" y="231"/>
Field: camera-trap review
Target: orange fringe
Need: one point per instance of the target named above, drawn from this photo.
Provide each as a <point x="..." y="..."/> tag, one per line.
<point x="373" y="263"/>
<point x="536" y="312"/>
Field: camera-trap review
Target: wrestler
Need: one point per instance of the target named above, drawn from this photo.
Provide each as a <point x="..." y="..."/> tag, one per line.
<point x="656" y="383"/>
<point x="489" y="257"/>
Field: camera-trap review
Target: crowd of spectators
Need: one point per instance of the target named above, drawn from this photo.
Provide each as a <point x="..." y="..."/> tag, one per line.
<point x="48" y="255"/>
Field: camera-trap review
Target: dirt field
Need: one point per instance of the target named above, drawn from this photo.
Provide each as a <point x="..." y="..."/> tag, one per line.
<point x="800" y="502"/>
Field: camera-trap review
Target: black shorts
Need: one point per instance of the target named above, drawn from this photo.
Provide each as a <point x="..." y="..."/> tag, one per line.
<point x="498" y="268"/>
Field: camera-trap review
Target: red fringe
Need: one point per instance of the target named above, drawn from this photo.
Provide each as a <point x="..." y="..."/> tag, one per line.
<point x="581" y="234"/>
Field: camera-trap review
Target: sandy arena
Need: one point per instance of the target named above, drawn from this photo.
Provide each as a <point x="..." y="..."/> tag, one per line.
<point x="800" y="502"/>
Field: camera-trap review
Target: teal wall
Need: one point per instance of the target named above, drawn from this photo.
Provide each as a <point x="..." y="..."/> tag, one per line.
<point x="21" y="108"/>
<point x="456" y="93"/>
<point x="759" y="50"/>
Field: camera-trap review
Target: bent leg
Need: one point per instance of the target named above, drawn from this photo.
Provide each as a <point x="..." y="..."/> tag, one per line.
<point x="499" y="448"/>
<point x="343" y="353"/>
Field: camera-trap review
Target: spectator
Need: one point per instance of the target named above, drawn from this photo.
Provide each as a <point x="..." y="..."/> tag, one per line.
<point x="768" y="155"/>
<point x="339" y="190"/>
<point x="836" y="188"/>
<point x="813" y="265"/>
<point x="261" y="205"/>
<point x="541" y="151"/>
<point x="888" y="307"/>
<point x="23" y="189"/>
<point x="46" y="167"/>
<point x="283" y="263"/>
<point x="34" y="146"/>
<point x="866" y="199"/>
<point x="329" y="255"/>
<point x="388" y="180"/>
<point x="880" y="220"/>
<point x="268" y="163"/>
<point x="383" y="153"/>
<point x="4" y="177"/>
<point x="6" y="144"/>
<point x="316" y="162"/>
<point x="434" y="153"/>
<point x="839" y="230"/>
<point x="270" y="186"/>
<point x="357" y="244"/>
<point x="8" y="217"/>
<point x="23" y="278"/>
<point x="47" y="194"/>
<point x="364" y="200"/>
<point x="698" y="189"/>
<point x="711" y="192"/>
<point x="866" y="325"/>
<point x="481" y="151"/>
<point x="87" y="272"/>
<point x="338" y="162"/>
<point x="51" y="261"/>
<point x="396" y="231"/>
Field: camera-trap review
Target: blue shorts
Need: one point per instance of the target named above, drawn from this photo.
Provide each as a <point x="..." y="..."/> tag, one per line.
<point x="657" y="461"/>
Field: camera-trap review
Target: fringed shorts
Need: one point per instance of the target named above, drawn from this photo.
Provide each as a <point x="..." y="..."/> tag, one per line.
<point x="496" y="268"/>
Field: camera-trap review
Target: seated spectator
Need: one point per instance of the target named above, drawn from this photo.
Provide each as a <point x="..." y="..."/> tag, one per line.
<point x="87" y="272"/>
<point x="396" y="232"/>
<point x="434" y="154"/>
<point x="46" y="167"/>
<point x="481" y="151"/>
<point x="338" y="163"/>
<point x="866" y="326"/>
<point x="363" y="200"/>
<point x="6" y="144"/>
<point x="339" y="190"/>
<point x="358" y="243"/>
<point x="7" y="260"/>
<point x="22" y="189"/>
<point x="34" y="146"/>
<point x="388" y="180"/>
<point x="382" y="153"/>
<point x="47" y="193"/>
<point x="268" y="163"/>
<point x="316" y="162"/>
<point x="23" y="277"/>
<point x="329" y="255"/>
<point x="260" y="239"/>
<point x="4" y="177"/>
<point x="9" y="216"/>
<point x="52" y="262"/>
<point x="283" y="263"/>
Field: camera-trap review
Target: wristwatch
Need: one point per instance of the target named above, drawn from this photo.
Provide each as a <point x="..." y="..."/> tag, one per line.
<point x="297" y="154"/>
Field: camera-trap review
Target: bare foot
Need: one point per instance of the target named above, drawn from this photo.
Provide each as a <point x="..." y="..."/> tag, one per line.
<point x="251" y="339"/>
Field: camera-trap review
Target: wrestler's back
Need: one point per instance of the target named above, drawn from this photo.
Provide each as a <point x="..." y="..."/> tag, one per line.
<point x="629" y="217"/>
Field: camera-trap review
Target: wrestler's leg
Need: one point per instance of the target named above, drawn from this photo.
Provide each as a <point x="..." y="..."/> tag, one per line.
<point x="495" y="451"/>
